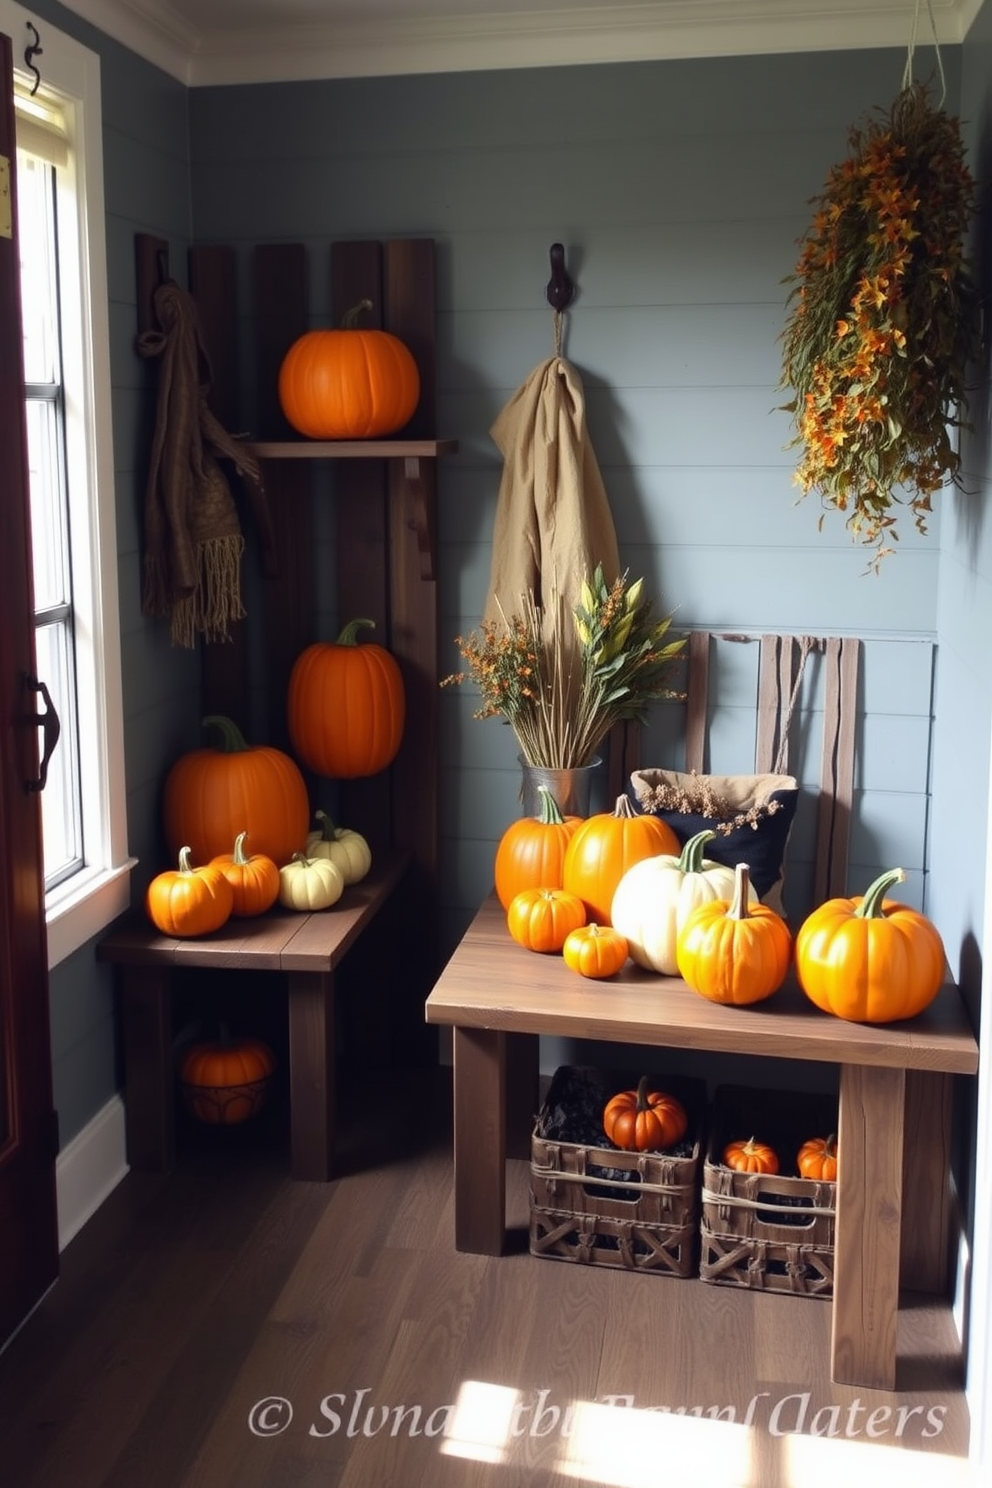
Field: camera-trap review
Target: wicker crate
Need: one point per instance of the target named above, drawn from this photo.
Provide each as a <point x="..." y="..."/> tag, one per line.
<point x="769" y="1232"/>
<point x="594" y="1204"/>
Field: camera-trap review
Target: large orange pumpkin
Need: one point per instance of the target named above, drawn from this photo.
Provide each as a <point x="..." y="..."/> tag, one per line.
<point x="213" y="795"/>
<point x="734" y="951"/>
<point x="531" y="852"/>
<point x="346" y="706"/>
<point x="604" y="847"/>
<point x="870" y="959"/>
<point x="351" y="383"/>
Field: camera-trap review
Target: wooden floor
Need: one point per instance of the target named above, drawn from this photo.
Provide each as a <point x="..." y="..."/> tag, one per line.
<point x="228" y="1328"/>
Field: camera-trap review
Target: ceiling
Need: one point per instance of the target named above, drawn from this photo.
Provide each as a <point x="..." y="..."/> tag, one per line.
<point x="204" y="42"/>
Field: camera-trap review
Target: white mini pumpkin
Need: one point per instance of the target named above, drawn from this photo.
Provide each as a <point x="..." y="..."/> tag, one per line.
<point x="347" y="849"/>
<point x="307" y="884"/>
<point x="654" y="898"/>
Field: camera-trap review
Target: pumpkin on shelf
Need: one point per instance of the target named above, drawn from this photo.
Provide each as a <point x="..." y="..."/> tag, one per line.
<point x="817" y="1158"/>
<point x="595" y="951"/>
<point x="188" y="901"/>
<point x="531" y="852"/>
<point x="869" y="959"/>
<point x="348" y="849"/>
<point x="346" y="706"/>
<point x="734" y="952"/>
<point x="750" y="1156"/>
<point x="254" y="878"/>
<point x="644" y="1120"/>
<point x="541" y="919"/>
<point x="655" y="897"/>
<point x="213" y="794"/>
<point x="308" y="884"/>
<point x="604" y="847"/>
<point x="226" y="1081"/>
<point x="352" y="382"/>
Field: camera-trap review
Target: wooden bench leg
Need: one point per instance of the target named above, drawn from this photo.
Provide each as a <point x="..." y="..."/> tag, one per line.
<point x="311" y="1074"/>
<point x="480" y="1140"/>
<point x="869" y="1220"/>
<point x="926" y="1219"/>
<point x="149" y="1076"/>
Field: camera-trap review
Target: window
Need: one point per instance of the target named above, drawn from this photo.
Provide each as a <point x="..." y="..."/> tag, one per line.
<point x="67" y="389"/>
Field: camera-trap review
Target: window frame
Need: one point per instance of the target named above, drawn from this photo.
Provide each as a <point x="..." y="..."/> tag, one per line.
<point x="85" y="903"/>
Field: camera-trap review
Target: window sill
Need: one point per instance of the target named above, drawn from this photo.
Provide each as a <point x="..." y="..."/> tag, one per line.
<point x="82" y="908"/>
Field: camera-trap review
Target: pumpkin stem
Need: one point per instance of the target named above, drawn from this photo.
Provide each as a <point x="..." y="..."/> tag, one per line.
<point x="691" y="859"/>
<point x="642" y="1093"/>
<point x="624" y="807"/>
<point x="185" y="863"/>
<point x="870" y="907"/>
<point x="328" y="831"/>
<point x="349" y="636"/>
<point x="349" y="320"/>
<point x="550" y="810"/>
<point x="232" y="740"/>
<point x="238" y="856"/>
<point x="739" y="905"/>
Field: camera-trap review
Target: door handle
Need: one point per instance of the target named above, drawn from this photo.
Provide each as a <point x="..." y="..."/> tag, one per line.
<point x="49" y="723"/>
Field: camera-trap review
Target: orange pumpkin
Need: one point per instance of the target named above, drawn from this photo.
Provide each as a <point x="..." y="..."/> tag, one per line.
<point x="213" y="794"/>
<point x="346" y="706"/>
<point x="254" y="880"/>
<point x="541" y="919"/>
<point x="817" y="1158"/>
<point x="188" y="901"/>
<point x="870" y="959"/>
<point x="644" y="1121"/>
<point x="737" y="952"/>
<point x="751" y="1157"/>
<point x="531" y="852"/>
<point x="225" y="1081"/>
<point x="604" y="847"/>
<point x="595" y="951"/>
<point x="350" y="383"/>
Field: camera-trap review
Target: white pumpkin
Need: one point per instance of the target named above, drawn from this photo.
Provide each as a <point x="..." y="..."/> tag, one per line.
<point x="307" y="884"/>
<point x="654" y="898"/>
<point x="341" y="846"/>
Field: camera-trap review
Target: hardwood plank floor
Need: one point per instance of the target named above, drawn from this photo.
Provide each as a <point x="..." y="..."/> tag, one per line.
<point x="225" y="1327"/>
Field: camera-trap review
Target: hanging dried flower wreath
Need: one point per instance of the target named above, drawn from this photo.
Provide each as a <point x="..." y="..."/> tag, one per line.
<point x="884" y="323"/>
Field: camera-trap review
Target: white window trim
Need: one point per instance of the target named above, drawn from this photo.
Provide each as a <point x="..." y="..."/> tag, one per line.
<point x="83" y="906"/>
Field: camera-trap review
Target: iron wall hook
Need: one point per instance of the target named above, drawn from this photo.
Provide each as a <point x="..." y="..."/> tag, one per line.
<point x="30" y="52"/>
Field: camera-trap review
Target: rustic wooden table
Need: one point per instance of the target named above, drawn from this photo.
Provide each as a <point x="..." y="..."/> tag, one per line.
<point x="895" y="1096"/>
<point x="306" y="948"/>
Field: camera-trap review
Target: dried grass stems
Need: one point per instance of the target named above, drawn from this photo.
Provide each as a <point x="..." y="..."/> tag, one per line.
<point x="698" y="798"/>
<point x="563" y="681"/>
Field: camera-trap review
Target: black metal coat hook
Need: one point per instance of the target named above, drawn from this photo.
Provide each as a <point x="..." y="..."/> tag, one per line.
<point x="30" y="52"/>
<point x="561" y="290"/>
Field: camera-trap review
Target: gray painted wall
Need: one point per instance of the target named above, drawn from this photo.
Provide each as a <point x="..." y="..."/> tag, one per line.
<point x="679" y="190"/>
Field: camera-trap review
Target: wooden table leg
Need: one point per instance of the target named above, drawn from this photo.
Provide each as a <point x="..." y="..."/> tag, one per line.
<point x="869" y="1219"/>
<point x="480" y="1140"/>
<point x="149" y="1077"/>
<point x="311" y="1074"/>
<point x="926" y="1203"/>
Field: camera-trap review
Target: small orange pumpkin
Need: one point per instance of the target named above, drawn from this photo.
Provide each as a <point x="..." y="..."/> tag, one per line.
<point x="595" y="951"/>
<point x="644" y="1121"/>
<point x="531" y="852"/>
<point x="751" y="1157"/>
<point x="541" y="919"/>
<point x="735" y="953"/>
<point x="346" y="707"/>
<point x="254" y="879"/>
<point x="188" y="901"/>
<point x="349" y="383"/>
<point x="604" y="847"/>
<point x="225" y="1081"/>
<point x="817" y="1158"/>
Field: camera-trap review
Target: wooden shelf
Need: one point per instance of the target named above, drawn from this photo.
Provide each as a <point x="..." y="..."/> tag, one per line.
<point x="353" y="449"/>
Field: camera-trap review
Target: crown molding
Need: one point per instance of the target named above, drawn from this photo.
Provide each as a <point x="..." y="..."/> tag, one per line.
<point x="208" y="52"/>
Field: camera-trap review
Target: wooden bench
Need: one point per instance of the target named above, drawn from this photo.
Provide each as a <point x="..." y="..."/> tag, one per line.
<point x="305" y="949"/>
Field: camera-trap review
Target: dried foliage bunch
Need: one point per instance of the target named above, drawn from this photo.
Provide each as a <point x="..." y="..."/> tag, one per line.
<point x="696" y="796"/>
<point x="561" y="698"/>
<point x="883" y="322"/>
